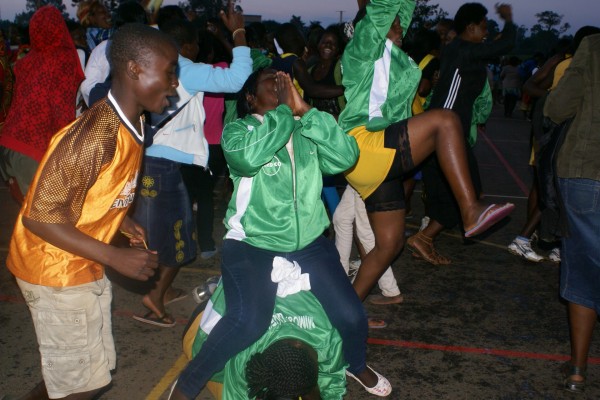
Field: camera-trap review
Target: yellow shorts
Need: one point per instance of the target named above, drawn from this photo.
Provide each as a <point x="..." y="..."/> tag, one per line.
<point x="374" y="161"/>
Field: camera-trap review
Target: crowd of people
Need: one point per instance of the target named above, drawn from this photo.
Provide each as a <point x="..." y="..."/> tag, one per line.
<point x="123" y="124"/>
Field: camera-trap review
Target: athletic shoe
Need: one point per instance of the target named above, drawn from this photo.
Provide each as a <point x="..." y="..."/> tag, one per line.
<point x="353" y="269"/>
<point x="554" y="255"/>
<point x="522" y="248"/>
<point x="424" y="223"/>
<point x="207" y="255"/>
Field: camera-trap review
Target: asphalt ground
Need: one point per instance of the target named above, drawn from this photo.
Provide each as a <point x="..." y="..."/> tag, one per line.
<point x="488" y="326"/>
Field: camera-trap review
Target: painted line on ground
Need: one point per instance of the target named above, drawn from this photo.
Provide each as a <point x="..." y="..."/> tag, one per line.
<point x="166" y="381"/>
<point x="476" y="350"/>
<point x="506" y="164"/>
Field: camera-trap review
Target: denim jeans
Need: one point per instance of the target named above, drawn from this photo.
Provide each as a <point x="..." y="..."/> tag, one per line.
<point x="580" y="254"/>
<point x="250" y="298"/>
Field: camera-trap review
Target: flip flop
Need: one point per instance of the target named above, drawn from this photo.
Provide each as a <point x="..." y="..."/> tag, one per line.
<point x="376" y="323"/>
<point x="164" y="321"/>
<point x="489" y="217"/>
<point x="179" y="296"/>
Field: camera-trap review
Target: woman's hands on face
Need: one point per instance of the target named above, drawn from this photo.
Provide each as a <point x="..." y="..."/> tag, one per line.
<point x="288" y="94"/>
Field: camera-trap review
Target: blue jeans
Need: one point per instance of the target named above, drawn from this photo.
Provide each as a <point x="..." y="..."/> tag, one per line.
<point x="250" y="298"/>
<point x="580" y="254"/>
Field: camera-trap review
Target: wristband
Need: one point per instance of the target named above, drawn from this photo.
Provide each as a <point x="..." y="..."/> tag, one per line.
<point x="237" y="31"/>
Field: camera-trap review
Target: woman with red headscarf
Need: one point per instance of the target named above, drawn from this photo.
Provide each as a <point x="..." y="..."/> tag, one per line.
<point x="46" y="82"/>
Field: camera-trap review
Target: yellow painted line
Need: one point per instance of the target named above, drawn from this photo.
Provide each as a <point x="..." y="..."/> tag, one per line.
<point x="203" y="270"/>
<point x="163" y="385"/>
<point x="458" y="236"/>
<point x="170" y="376"/>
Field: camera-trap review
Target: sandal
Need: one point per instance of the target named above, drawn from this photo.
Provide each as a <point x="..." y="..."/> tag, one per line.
<point x="489" y="217"/>
<point x="568" y="370"/>
<point x="376" y="323"/>
<point x="432" y="257"/>
<point x="383" y="387"/>
<point x="164" y="321"/>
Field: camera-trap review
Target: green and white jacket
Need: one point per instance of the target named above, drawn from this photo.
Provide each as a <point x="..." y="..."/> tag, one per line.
<point x="276" y="166"/>
<point x="380" y="79"/>
<point x="297" y="316"/>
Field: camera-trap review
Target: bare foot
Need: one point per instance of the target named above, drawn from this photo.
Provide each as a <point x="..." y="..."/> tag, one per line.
<point x="385" y="300"/>
<point x="150" y="305"/>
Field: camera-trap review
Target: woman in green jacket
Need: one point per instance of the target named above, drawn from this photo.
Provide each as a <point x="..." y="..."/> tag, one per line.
<point x="277" y="154"/>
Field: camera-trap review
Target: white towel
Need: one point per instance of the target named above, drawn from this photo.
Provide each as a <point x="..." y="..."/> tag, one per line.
<point x="289" y="277"/>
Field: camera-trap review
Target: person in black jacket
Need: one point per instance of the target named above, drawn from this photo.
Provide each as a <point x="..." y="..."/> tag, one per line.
<point x="462" y="78"/>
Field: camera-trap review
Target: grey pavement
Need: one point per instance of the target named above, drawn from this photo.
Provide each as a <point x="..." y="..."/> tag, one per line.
<point x="488" y="326"/>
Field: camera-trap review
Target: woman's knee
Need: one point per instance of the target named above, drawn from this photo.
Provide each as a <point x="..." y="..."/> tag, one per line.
<point x="448" y="121"/>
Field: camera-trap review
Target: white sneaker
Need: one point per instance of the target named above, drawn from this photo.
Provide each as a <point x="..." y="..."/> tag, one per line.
<point x="424" y="223"/>
<point x="554" y="255"/>
<point x="522" y="248"/>
<point x="353" y="269"/>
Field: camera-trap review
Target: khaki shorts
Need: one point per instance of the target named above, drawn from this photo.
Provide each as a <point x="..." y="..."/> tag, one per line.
<point x="74" y="333"/>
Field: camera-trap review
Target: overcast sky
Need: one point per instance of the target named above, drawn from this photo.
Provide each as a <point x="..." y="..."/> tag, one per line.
<point x="575" y="12"/>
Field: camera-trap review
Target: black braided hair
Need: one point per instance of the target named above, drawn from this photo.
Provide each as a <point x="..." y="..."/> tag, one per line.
<point x="250" y="87"/>
<point x="281" y="371"/>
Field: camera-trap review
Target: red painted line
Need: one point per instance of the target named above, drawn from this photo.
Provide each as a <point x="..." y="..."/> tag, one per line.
<point x="395" y="343"/>
<point x="476" y="350"/>
<point x="4" y="298"/>
<point x="507" y="166"/>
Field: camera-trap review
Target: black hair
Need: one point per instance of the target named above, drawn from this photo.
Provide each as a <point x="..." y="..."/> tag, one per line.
<point x="256" y="34"/>
<point x="583" y="32"/>
<point x="281" y="371"/>
<point x="315" y="32"/>
<point x="211" y="49"/>
<point x="182" y="31"/>
<point x="468" y="13"/>
<point x="337" y="31"/>
<point x="290" y="39"/>
<point x="563" y="46"/>
<point x="137" y="42"/>
<point x="423" y="42"/>
<point x="72" y="25"/>
<point x="169" y="13"/>
<point x="250" y="87"/>
<point x="130" y="12"/>
<point x="446" y="22"/>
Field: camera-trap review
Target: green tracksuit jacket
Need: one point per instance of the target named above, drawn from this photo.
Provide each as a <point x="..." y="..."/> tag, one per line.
<point x="276" y="202"/>
<point x="297" y="316"/>
<point x="380" y="80"/>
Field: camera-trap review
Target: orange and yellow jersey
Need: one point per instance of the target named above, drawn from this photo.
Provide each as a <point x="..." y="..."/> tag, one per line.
<point x="87" y="178"/>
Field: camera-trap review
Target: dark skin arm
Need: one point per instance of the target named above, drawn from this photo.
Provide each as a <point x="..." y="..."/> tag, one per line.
<point x="311" y="88"/>
<point x="134" y="262"/>
<point x="234" y="21"/>
<point x="539" y="83"/>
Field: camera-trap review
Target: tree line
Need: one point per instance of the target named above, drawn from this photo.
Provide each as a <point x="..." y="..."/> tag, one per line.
<point x="541" y="37"/>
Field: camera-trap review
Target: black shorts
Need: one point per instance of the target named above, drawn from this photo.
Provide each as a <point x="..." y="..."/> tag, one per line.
<point x="389" y="196"/>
